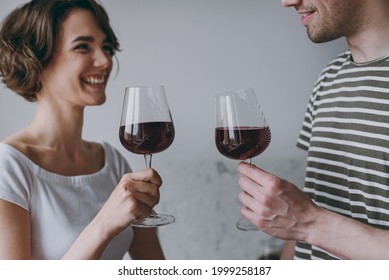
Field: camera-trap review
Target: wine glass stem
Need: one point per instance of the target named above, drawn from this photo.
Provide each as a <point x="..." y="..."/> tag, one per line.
<point x="248" y="161"/>
<point x="148" y="160"/>
<point x="148" y="165"/>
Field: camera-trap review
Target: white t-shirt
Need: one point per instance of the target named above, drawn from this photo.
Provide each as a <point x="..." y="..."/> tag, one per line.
<point x="61" y="206"/>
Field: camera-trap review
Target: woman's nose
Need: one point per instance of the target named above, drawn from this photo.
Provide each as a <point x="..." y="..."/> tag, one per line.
<point x="102" y="59"/>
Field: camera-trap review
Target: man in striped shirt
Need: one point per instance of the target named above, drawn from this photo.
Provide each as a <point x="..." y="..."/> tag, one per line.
<point x="344" y="209"/>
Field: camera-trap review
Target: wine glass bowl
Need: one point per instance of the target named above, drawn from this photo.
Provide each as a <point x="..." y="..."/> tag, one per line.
<point x="242" y="143"/>
<point x="146" y="128"/>
<point x="241" y="131"/>
<point x="147" y="137"/>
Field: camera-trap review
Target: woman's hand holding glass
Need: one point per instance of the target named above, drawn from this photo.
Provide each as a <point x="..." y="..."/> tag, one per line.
<point x="133" y="199"/>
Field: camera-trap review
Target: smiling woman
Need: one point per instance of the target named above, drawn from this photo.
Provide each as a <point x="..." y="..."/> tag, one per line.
<point x="80" y="66"/>
<point x="28" y="46"/>
<point x="55" y="186"/>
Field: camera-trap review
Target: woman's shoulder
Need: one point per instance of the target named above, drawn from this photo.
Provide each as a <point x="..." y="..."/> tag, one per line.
<point x="15" y="140"/>
<point x="12" y="159"/>
<point x="16" y="176"/>
<point x="113" y="157"/>
<point x="10" y="148"/>
<point x="15" y="166"/>
<point x="21" y="142"/>
<point x="23" y="148"/>
<point x="109" y="150"/>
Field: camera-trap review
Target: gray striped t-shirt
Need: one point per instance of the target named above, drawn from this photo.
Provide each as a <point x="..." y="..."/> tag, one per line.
<point x="346" y="133"/>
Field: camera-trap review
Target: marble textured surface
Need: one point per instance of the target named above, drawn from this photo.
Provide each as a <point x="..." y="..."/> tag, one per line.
<point x="202" y="195"/>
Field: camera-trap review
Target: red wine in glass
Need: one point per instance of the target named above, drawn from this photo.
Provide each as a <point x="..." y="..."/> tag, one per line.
<point x="243" y="142"/>
<point x="147" y="137"/>
<point x="146" y="128"/>
<point x="241" y="131"/>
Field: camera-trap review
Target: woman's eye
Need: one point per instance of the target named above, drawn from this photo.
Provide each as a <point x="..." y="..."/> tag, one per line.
<point x="82" y="47"/>
<point x="108" y="49"/>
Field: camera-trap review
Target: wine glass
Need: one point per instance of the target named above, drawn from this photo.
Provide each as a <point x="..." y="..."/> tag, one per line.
<point x="146" y="128"/>
<point x="241" y="130"/>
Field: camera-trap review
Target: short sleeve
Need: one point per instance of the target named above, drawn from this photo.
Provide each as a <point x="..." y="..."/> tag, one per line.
<point x="306" y="130"/>
<point x="15" y="177"/>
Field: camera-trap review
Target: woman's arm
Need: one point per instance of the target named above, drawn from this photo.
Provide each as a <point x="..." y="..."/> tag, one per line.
<point x="15" y="232"/>
<point x="145" y="245"/>
<point x="133" y="198"/>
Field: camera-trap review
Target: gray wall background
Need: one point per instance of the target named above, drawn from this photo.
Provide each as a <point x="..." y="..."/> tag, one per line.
<point x="196" y="49"/>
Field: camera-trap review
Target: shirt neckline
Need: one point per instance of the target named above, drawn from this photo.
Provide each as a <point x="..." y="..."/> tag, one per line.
<point x="367" y="63"/>
<point x="55" y="177"/>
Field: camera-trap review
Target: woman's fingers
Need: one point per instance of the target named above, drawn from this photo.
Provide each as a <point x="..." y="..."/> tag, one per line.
<point x="145" y="175"/>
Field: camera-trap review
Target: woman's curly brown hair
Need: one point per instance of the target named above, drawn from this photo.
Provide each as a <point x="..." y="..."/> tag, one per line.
<point x="28" y="36"/>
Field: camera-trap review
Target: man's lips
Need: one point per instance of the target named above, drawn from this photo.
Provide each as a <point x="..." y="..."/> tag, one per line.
<point x="306" y="17"/>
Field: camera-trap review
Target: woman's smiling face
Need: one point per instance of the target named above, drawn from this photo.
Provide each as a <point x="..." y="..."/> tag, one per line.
<point x="81" y="64"/>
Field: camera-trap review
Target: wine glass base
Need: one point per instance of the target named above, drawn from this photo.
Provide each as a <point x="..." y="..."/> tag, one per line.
<point x="245" y="225"/>
<point x="154" y="220"/>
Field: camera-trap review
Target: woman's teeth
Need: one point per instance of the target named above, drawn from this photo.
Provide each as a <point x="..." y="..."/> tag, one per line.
<point x="94" y="80"/>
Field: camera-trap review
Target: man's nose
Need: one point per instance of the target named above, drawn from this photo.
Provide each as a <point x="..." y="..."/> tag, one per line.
<point x="290" y="3"/>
